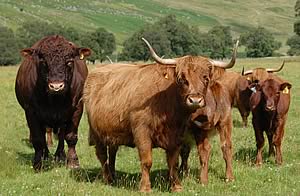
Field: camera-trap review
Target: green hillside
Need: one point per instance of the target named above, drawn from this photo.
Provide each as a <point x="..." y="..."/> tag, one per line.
<point x="124" y="17"/>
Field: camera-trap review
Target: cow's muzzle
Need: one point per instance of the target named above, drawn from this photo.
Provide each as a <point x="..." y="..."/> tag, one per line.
<point x="195" y="101"/>
<point x="270" y="108"/>
<point x="56" y="86"/>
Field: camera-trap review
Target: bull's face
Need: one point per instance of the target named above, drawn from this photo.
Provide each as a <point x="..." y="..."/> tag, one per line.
<point x="55" y="63"/>
<point x="192" y="81"/>
<point x="268" y="93"/>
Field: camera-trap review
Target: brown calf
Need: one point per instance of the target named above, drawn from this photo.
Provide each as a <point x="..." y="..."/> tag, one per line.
<point x="269" y="105"/>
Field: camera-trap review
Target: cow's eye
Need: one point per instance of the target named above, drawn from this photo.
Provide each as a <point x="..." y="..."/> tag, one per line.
<point x="182" y="80"/>
<point x="43" y="63"/>
<point x="70" y="63"/>
<point x="206" y="79"/>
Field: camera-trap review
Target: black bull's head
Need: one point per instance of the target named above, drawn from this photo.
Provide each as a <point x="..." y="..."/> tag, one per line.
<point x="56" y="58"/>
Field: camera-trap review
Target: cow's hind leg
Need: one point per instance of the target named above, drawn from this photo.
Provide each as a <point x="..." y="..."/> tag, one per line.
<point x="172" y="159"/>
<point x="101" y="152"/>
<point x="112" y="159"/>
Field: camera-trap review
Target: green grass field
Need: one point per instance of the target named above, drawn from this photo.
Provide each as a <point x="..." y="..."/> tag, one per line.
<point x="18" y="178"/>
<point x="125" y="17"/>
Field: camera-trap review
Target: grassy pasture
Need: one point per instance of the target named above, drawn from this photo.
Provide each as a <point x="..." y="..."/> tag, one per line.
<point x="18" y="178"/>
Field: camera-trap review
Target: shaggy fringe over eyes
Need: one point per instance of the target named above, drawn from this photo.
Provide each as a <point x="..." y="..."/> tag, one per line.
<point x="193" y="63"/>
<point x="56" y="46"/>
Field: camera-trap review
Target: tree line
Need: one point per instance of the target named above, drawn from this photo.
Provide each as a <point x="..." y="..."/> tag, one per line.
<point x="169" y="36"/>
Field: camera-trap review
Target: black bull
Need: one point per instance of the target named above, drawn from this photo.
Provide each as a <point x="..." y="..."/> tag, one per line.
<point x="49" y="86"/>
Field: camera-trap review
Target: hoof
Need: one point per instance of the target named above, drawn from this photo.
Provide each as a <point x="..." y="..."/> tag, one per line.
<point x="60" y="157"/>
<point x="37" y="166"/>
<point x="177" y="188"/>
<point x="73" y="164"/>
<point x="228" y="180"/>
<point x="145" y="190"/>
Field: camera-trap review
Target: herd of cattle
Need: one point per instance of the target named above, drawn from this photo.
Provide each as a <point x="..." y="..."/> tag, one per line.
<point x="146" y="106"/>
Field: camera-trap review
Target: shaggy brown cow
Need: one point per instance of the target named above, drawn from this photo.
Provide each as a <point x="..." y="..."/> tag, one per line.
<point x="214" y="117"/>
<point x="145" y="106"/>
<point x="269" y="105"/>
<point x="49" y="87"/>
<point x="239" y="93"/>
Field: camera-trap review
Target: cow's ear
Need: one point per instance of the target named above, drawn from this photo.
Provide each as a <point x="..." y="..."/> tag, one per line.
<point x="254" y="87"/>
<point x="27" y="52"/>
<point x="255" y="99"/>
<point x="285" y="86"/>
<point x="84" y="52"/>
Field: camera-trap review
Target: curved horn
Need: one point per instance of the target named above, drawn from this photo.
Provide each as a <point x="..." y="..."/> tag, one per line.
<point x="248" y="72"/>
<point x="156" y="57"/>
<point x="276" y="70"/>
<point x="232" y="61"/>
<point x="109" y="59"/>
<point x="243" y="70"/>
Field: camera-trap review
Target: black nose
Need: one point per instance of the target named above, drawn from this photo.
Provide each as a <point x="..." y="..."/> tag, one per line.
<point x="56" y="86"/>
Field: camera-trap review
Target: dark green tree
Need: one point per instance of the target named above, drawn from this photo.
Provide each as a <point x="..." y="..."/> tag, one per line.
<point x="10" y="53"/>
<point x="32" y="31"/>
<point x="220" y="42"/>
<point x="294" y="41"/>
<point x="102" y="43"/>
<point x="180" y="35"/>
<point x="259" y="43"/>
<point x="135" y="48"/>
<point x="169" y="37"/>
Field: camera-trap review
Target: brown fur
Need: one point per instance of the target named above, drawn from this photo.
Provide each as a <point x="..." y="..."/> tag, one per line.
<point x="143" y="106"/>
<point x="269" y="106"/>
<point x="215" y="116"/>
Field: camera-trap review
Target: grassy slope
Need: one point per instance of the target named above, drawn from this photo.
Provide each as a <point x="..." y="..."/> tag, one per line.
<point x="18" y="178"/>
<point x="126" y="16"/>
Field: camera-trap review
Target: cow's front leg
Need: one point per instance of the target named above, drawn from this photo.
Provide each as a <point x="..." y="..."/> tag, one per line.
<point x="271" y="144"/>
<point x="277" y="140"/>
<point x="204" y="149"/>
<point x="142" y="140"/>
<point x="226" y="146"/>
<point x="184" y="154"/>
<point x="72" y="159"/>
<point x="37" y="132"/>
<point x="60" y="155"/>
<point x="71" y="137"/>
<point x="259" y="141"/>
<point x="172" y="159"/>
